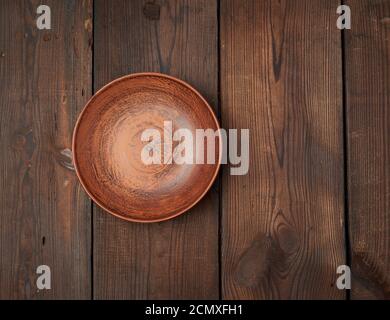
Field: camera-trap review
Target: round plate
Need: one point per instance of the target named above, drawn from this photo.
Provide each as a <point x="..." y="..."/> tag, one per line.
<point x="107" y="147"/>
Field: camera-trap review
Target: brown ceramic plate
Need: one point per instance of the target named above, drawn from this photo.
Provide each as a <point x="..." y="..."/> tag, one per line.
<point x="107" y="147"/>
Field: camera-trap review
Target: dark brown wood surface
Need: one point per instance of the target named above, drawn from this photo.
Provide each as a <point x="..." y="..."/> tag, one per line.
<point x="179" y="258"/>
<point x="281" y="78"/>
<point x="314" y="99"/>
<point x="367" y="80"/>
<point x="45" y="79"/>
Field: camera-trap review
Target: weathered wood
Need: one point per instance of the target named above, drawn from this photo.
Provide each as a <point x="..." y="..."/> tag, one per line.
<point x="178" y="258"/>
<point x="282" y="229"/>
<point x="45" y="78"/>
<point x="367" y="59"/>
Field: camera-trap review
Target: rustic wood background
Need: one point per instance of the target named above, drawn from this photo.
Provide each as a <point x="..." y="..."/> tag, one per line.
<point x="317" y="195"/>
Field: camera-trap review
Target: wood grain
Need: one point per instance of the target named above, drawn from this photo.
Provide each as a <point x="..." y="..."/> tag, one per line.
<point x="282" y="230"/>
<point x="179" y="258"/>
<point x="45" y="80"/>
<point x="367" y="58"/>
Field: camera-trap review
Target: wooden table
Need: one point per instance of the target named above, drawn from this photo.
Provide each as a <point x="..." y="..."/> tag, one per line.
<point x="316" y="100"/>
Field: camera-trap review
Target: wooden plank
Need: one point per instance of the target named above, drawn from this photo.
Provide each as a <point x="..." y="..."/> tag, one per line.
<point x="282" y="228"/>
<point x="45" y="80"/>
<point x="178" y="258"/>
<point x="367" y="66"/>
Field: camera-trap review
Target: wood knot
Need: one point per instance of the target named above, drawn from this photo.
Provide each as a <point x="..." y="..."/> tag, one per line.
<point x="288" y="239"/>
<point x="255" y="263"/>
<point x="65" y="159"/>
<point x="23" y="141"/>
<point x="152" y="11"/>
<point x="47" y="37"/>
<point x="88" y="25"/>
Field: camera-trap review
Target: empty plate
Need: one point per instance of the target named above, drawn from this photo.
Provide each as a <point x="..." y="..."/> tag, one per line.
<point x="128" y="155"/>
